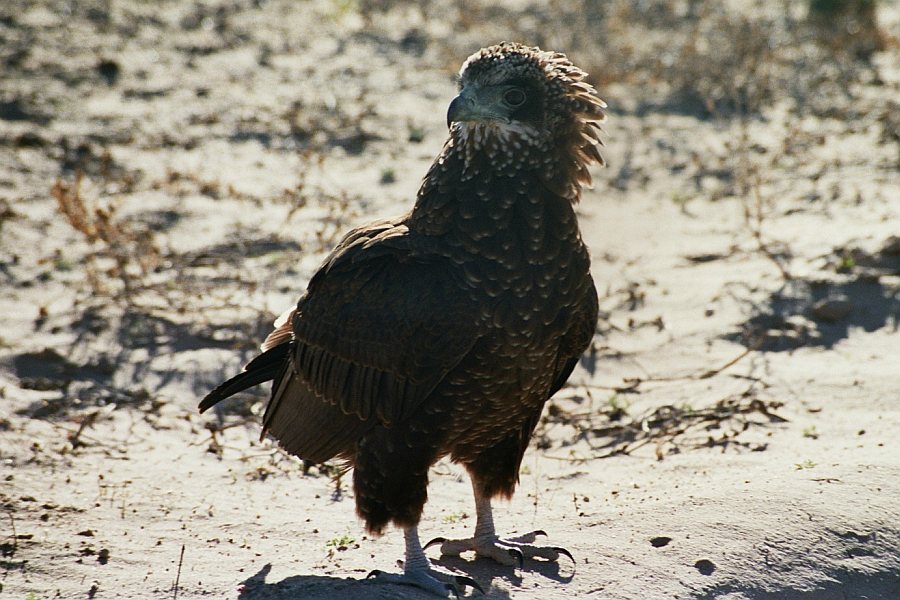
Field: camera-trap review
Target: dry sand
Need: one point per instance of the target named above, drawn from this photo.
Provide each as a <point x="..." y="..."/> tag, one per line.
<point x="732" y="434"/>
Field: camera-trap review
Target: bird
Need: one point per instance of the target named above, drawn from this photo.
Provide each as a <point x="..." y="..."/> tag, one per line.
<point x="444" y="331"/>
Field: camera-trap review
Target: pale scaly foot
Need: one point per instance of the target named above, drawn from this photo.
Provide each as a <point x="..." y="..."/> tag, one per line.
<point x="506" y="551"/>
<point x="486" y="542"/>
<point x="419" y="572"/>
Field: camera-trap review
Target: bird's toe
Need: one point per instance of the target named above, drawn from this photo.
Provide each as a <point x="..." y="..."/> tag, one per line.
<point x="452" y="547"/>
<point x="502" y="553"/>
<point x="527" y="538"/>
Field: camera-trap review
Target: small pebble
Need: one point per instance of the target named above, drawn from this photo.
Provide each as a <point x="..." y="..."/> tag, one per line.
<point x="832" y="309"/>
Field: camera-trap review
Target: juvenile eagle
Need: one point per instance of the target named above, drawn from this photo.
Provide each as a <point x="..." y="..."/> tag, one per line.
<point x="444" y="331"/>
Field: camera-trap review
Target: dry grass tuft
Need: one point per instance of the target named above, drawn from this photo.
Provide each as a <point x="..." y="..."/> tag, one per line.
<point x="667" y="429"/>
<point x="130" y="253"/>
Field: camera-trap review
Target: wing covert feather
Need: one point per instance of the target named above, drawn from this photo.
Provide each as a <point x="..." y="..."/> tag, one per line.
<point x="378" y="335"/>
<point x="376" y="332"/>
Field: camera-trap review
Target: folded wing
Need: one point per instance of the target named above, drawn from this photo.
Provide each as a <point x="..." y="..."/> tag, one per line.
<point x="378" y="329"/>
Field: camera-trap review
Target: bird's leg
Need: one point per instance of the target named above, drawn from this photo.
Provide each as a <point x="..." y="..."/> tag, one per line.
<point x="486" y="542"/>
<point x="418" y="571"/>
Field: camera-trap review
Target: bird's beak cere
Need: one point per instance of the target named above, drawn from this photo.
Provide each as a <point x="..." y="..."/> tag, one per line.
<point x="475" y="105"/>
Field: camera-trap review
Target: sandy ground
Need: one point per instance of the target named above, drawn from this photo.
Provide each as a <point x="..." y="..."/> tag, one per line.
<point x="731" y="434"/>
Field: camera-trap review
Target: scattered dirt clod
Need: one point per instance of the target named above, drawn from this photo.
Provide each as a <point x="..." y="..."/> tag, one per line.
<point x="706" y="567"/>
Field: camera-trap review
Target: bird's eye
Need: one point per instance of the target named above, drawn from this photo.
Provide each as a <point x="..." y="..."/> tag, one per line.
<point x="514" y="97"/>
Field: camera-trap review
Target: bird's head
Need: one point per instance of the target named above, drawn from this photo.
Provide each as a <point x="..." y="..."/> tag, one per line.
<point x="536" y="104"/>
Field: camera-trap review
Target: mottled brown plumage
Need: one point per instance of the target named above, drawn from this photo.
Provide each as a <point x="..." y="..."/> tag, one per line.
<point x="444" y="331"/>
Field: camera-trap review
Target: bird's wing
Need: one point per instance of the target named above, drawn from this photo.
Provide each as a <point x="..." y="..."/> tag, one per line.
<point x="577" y="339"/>
<point x="377" y="330"/>
<point x="350" y="244"/>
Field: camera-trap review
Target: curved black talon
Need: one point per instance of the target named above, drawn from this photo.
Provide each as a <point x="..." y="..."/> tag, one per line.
<point x="468" y="581"/>
<point x="373" y="573"/>
<point x="520" y="558"/>
<point x="565" y="552"/>
<point x="437" y="540"/>
<point x="540" y="532"/>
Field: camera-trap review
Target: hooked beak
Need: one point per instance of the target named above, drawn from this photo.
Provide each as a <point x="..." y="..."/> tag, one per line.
<point x="458" y="110"/>
<point x="474" y="105"/>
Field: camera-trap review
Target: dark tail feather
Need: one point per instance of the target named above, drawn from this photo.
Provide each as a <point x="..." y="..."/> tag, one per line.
<point x="264" y="367"/>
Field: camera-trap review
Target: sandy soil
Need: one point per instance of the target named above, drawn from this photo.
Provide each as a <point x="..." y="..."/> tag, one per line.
<point x="731" y="434"/>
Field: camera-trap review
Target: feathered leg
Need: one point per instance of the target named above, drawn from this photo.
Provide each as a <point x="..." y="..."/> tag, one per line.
<point x="419" y="572"/>
<point x="507" y="551"/>
<point x="390" y="481"/>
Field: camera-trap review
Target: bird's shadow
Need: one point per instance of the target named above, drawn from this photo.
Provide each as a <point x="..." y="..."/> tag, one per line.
<point x="322" y="587"/>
